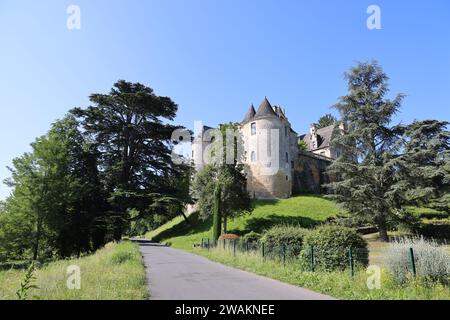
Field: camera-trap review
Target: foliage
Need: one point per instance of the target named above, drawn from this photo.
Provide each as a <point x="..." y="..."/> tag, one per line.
<point x="251" y="237"/>
<point x="383" y="168"/>
<point x="228" y="236"/>
<point x="57" y="207"/>
<point x="28" y="283"/>
<point x="331" y="246"/>
<point x="230" y="177"/>
<point x="135" y="152"/>
<point x="283" y="237"/>
<point x="302" y="146"/>
<point x="326" y="120"/>
<point x="431" y="261"/>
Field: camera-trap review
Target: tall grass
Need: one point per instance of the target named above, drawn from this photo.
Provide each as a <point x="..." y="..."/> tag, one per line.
<point x="115" y="272"/>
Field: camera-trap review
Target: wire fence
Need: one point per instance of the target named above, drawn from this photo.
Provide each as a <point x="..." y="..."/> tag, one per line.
<point x="320" y="258"/>
<point x="311" y="258"/>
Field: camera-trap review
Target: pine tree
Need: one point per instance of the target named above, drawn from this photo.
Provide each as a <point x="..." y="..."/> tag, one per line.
<point x="383" y="168"/>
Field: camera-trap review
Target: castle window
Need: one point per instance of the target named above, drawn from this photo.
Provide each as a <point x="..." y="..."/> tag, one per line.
<point x="286" y="131"/>
<point x="253" y="128"/>
<point x="253" y="156"/>
<point x="287" y="157"/>
<point x="292" y="164"/>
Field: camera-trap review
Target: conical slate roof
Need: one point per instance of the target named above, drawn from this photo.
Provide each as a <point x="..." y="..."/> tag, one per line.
<point x="250" y="114"/>
<point x="265" y="109"/>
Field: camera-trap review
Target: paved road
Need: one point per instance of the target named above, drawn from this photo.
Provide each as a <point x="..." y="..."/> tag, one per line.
<point x="177" y="275"/>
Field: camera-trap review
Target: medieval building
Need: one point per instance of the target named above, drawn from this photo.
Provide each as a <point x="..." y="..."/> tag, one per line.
<point x="275" y="165"/>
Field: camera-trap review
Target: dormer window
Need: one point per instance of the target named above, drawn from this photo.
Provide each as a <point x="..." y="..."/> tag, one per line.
<point x="253" y="128"/>
<point x="253" y="156"/>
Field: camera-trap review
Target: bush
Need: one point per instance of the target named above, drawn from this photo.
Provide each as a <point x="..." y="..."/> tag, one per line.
<point x="228" y="236"/>
<point x="251" y="237"/>
<point x="432" y="262"/>
<point x="331" y="244"/>
<point x="250" y="241"/>
<point x="277" y="238"/>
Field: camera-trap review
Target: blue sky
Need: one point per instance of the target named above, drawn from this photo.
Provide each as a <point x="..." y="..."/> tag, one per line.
<point x="214" y="57"/>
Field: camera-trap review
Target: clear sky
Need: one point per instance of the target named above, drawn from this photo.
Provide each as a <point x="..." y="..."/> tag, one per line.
<point x="214" y="57"/>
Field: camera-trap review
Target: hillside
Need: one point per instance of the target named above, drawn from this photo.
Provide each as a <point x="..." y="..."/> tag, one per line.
<point x="306" y="211"/>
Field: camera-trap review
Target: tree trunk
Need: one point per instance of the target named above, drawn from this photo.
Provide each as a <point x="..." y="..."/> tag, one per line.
<point x="383" y="229"/>
<point x="225" y="224"/>
<point x="217" y="217"/>
<point x="38" y="238"/>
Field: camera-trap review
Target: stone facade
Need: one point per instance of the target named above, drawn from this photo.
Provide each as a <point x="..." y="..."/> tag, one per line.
<point x="274" y="165"/>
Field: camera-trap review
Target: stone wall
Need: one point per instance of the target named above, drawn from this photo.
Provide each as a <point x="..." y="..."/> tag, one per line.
<point x="310" y="173"/>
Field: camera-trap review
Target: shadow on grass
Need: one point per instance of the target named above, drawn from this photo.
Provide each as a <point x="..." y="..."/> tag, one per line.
<point x="261" y="224"/>
<point x="194" y="225"/>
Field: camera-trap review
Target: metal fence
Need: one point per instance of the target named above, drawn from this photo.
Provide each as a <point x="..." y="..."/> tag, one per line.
<point x="313" y="258"/>
<point x="310" y="258"/>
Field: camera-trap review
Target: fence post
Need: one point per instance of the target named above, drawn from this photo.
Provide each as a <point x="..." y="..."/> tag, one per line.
<point x="246" y="245"/>
<point x="284" y="255"/>
<point x="208" y="244"/>
<point x="312" y="258"/>
<point x="234" y="247"/>
<point x="202" y="244"/>
<point x="352" y="264"/>
<point x="224" y="244"/>
<point x="413" y="262"/>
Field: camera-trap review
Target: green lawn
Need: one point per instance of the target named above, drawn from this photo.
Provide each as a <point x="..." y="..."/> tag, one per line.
<point x="115" y="272"/>
<point x="306" y="211"/>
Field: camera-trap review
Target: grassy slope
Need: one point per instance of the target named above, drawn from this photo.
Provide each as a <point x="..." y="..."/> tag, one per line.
<point x="306" y="211"/>
<point x="113" y="273"/>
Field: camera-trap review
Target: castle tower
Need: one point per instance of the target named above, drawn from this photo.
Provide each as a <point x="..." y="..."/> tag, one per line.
<point x="268" y="140"/>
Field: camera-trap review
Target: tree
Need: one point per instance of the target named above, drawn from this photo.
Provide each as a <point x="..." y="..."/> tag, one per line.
<point x="382" y="167"/>
<point x="326" y="120"/>
<point x="56" y="201"/>
<point x="128" y="130"/>
<point x="229" y="178"/>
<point x="424" y="165"/>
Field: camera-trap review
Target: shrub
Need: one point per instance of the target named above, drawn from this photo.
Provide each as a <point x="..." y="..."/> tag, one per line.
<point x="281" y="237"/>
<point x="251" y="237"/>
<point x="436" y="229"/>
<point x="432" y="262"/>
<point x="331" y="244"/>
<point x="228" y="236"/>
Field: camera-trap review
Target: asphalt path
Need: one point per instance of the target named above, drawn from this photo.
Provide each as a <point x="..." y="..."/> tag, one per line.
<point x="178" y="275"/>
